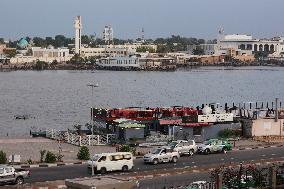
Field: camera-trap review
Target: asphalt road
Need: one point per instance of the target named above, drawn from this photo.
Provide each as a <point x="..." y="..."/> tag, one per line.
<point x="76" y="171"/>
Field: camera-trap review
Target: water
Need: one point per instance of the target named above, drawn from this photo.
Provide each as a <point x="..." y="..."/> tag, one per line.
<point x="60" y="99"/>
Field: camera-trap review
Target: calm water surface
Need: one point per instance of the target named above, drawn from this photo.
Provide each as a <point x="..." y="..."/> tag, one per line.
<point x="60" y="99"/>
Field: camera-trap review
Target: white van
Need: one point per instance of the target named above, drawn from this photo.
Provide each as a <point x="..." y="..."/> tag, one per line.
<point x="119" y="161"/>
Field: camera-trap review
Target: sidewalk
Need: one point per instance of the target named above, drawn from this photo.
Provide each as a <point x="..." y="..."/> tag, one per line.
<point x="29" y="148"/>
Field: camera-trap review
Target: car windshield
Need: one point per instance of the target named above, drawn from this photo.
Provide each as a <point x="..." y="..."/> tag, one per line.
<point x="173" y="144"/>
<point x="96" y="157"/>
<point x="207" y="142"/>
<point x="156" y="151"/>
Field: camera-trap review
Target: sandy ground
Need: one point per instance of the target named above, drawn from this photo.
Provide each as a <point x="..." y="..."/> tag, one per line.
<point x="29" y="148"/>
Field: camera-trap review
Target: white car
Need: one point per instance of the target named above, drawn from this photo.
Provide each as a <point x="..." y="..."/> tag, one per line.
<point x="105" y="162"/>
<point x="161" y="155"/>
<point x="9" y="174"/>
<point x="184" y="147"/>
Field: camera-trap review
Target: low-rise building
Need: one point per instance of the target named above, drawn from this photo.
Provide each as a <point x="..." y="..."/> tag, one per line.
<point x="242" y="45"/>
<point x="2" y="47"/>
<point x="50" y="52"/>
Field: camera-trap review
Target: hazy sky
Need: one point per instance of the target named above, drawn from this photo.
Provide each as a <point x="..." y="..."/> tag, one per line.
<point x="160" y="18"/>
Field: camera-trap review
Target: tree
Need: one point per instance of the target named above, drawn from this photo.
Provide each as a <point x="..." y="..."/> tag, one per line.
<point x="10" y="52"/>
<point x="50" y="157"/>
<point x="145" y="49"/>
<point x="3" y="158"/>
<point x="162" y="49"/>
<point x="39" y="42"/>
<point x="1" y="40"/>
<point x="83" y="153"/>
<point x="40" y="65"/>
<point x="198" y="51"/>
<point x="59" y="41"/>
<point x="76" y="59"/>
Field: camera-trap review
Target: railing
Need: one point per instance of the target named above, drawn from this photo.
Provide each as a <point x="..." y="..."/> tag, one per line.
<point x="80" y="140"/>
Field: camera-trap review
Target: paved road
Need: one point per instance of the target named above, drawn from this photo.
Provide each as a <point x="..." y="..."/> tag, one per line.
<point x="75" y="171"/>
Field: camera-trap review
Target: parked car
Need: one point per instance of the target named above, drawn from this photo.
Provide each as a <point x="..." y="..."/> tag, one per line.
<point x="214" y="146"/>
<point x="184" y="147"/>
<point x="9" y="174"/>
<point x="161" y="155"/>
<point x="105" y="162"/>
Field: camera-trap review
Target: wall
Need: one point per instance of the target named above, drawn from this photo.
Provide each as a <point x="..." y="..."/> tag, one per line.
<point x="267" y="127"/>
<point x="30" y="59"/>
<point x="206" y="133"/>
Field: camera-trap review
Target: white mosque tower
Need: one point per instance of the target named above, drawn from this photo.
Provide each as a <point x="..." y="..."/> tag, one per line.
<point x="78" y="28"/>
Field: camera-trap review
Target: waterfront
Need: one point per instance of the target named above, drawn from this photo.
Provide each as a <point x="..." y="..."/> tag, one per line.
<point x="59" y="99"/>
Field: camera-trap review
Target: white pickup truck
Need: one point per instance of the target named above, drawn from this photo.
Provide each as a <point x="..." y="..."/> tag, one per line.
<point x="184" y="147"/>
<point x="9" y="174"/>
<point x="161" y="155"/>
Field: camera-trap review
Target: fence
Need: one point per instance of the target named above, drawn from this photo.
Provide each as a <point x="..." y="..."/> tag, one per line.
<point x="80" y="140"/>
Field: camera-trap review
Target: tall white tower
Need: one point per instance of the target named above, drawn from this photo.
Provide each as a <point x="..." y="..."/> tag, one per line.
<point x="108" y="35"/>
<point x="78" y="28"/>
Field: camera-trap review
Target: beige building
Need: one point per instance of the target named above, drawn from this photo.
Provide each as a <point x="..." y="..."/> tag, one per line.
<point x="2" y="47"/>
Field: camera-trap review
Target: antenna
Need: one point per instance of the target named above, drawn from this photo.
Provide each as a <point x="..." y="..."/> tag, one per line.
<point x="142" y="35"/>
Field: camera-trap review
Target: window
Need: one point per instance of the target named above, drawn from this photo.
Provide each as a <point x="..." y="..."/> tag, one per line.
<point x="1" y="171"/>
<point x="116" y="157"/>
<point x="8" y="170"/>
<point x="127" y="157"/>
<point x="197" y="131"/>
<point x="103" y="158"/>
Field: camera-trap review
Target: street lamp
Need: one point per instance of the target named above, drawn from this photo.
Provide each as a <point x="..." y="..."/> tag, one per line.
<point x="92" y="118"/>
<point x="92" y="121"/>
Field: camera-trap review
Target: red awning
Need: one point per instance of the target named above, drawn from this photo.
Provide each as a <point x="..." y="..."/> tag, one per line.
<point x="194" y="124"/>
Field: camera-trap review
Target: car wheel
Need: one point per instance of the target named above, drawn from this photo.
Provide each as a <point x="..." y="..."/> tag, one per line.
<point x="155" y="161"/>
<point x="206" y="151"/>
<point x="174" y="160"/>
<point x="103" y="170"/>
<point x="19" y="181"/>
<point x="191" y="152"/>
<point x="125" y="168"/>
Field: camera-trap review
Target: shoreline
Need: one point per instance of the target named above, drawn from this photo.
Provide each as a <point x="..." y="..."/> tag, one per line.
<point x="9" y="68"/>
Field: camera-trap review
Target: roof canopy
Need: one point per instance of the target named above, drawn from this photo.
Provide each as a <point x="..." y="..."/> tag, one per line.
<point x="131" y="125"/>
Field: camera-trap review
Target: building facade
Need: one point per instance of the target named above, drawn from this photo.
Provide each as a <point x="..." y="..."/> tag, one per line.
<point x="241" y="45"/>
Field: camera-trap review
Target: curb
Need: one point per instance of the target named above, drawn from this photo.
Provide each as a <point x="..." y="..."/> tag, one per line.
<point x="257" y="147"/>
<point x="47" y="165"/>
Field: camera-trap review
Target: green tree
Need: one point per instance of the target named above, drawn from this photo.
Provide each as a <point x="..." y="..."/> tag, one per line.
<point x="40" y="65"/>
<point x="59" y="41"/>
<point x="3" y="158"/>
<point x="198" y="51"/>
<point x="76" y="59"/>
<point x="50" y="157"/>
<point x="39" y="42"/>
<point x="145" y="49"/>
<point x="10" y="53"/>
<point x="83" y="153"/>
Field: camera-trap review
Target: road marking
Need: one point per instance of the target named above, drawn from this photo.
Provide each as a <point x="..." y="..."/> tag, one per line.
<point x="193" y="162"/>
<point x="222" y="159"/>
<point x="263" y="155"/>
<point x="273" y="154"/>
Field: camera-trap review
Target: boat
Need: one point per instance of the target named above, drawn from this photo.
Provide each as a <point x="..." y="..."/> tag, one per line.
<point x="119" y="63"/>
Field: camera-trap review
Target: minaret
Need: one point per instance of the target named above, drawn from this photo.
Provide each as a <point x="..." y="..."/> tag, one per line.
<point x="78" y="28"/>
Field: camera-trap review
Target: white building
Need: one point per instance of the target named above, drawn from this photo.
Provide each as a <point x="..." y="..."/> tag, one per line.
<point x="50" y="52"/>
<point x="242" y="45"/>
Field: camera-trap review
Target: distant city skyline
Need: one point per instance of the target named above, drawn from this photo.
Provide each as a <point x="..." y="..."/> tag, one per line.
<point x="159" y="18"/>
